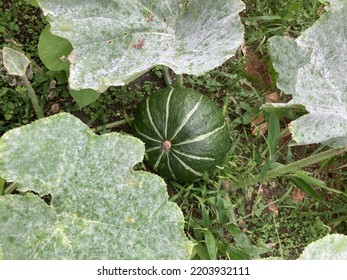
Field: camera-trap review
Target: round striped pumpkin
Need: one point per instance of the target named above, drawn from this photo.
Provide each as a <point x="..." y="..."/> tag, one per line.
<point x="185" y="134"/>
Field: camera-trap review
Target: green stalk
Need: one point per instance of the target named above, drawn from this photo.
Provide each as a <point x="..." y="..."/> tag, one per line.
<point x="167" y="77"/>
<point x="11" y="188"/>
<point x="33" y="97"/>
<point x="2" y="186"/>
<point x="179" y="80"/>
<point x="292" y="167"/>
<point x="278" y="236"/>
<point x="112" y="124"/>
<point x="295" y="166"/>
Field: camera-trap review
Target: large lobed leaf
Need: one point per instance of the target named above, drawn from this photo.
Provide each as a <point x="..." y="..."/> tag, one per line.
<point x="330" y="247"/>
<point x="313" y="68"/>
<point x="117" y="41"/>
<point x="100" y="208"/>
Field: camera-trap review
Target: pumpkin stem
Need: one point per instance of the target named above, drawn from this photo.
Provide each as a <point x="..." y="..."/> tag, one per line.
<point x="166" y="145"/>
<point x="179" y="80"/>
<point x="167" y="77"/>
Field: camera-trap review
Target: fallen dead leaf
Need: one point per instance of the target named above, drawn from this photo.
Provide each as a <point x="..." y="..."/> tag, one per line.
<point x="273" y="208"/>
<point x="297" y="195"/>
<point x="259" y="124"/>
<point x="55" y="108"/>
<point x="271" y="97"/>
<point x="272" y="184"/>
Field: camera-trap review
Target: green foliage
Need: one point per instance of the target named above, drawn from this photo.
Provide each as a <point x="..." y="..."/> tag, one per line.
<point x="16" y="64"/>
<point x="264" y="19"/>
<point x="312" y="69"/>
<point x="14" y="109"/>
<point x="54" y="50"/>
<point x="99" y="207"/>
<point x="140" y="35"/>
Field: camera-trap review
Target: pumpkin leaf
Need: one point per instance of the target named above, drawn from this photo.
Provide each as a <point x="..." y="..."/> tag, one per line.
<point x="330" y="247"/>
<point x="100" y="208"/>
<point x="54" y="50"/>
<point x="116" y="43"/>
<point x="84" y="97"/>
<point x="16" y="63"/>
<point x="313" y="70"/>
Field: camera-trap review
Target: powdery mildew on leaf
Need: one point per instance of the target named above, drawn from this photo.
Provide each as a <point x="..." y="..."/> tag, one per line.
<point x="330" y="247"/>
<point x="117" y="41"/>
<point x="100" y="208"/>
<point x="16" y="63"/>
<point x="313" y="68"/>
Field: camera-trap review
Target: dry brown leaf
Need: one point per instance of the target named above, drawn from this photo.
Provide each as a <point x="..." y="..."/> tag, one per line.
<point x="273" y="208"/>
<point x="297" y="195"/>
<point x="272" y="184"/>
<point x="55" y="108"/>
<point x="271" y="97"/>
<point x="260" y="126"/>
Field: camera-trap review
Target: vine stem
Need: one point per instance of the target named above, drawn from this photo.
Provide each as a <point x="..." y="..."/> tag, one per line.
<point x="289" y="168"/>
<point x="295" y="166"/>
<point x="2" y="186"/>
<point x="11" y="188"/>
<point x="179" y="80"/>
<point x="33" y="97"/>
<point x="112" y="124"/>
<point x="167" y="77"/>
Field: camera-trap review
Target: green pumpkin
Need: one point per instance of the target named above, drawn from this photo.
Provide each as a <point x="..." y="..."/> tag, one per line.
<point x="185" y="134"/>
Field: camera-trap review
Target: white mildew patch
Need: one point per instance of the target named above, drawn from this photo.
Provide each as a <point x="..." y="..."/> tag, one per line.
<point x="16" y="63"/>
<point x="330" y="247"/>
<point x="186" y="119"/>
<point x="314" y="71"/>
<point x="201" y="137"/>
<point x="117" y="41"/>
<point x="100" y="208"/>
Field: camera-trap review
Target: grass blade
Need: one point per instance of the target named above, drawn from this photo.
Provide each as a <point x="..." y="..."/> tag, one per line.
<point x="210" y="244"/>
<point x="305" y="187"/>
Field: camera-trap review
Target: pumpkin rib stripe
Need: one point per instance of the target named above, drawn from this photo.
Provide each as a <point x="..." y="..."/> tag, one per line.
<point x="158" y="160"/>
<point x="186" y="119"/>
<point x="153" y="149"/>
<point x="170" y="169"/>
<point x="201" y="137"/>
<point x="167" y="112"/>
<point x="151" y="119"/>
<point x="187" y="167"/>
<point x="193" y="156"/>
<point x="146" y="136"/>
